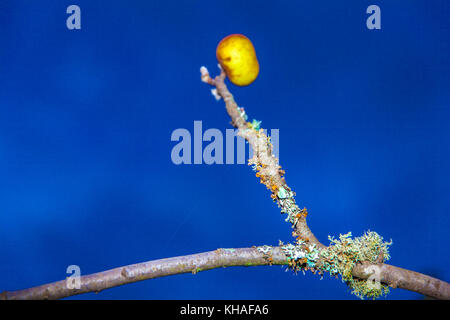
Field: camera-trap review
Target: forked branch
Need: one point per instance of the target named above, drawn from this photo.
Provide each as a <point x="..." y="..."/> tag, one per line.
<point x="306" y="254"/>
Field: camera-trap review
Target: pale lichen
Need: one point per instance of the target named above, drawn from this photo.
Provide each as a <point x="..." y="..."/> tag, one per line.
<point x="264" y="249"/>
<point x="340" y="258"/>
<point x="242" y="113"/>
<point x="267" y="252"/>
<point x="342" y="255"/>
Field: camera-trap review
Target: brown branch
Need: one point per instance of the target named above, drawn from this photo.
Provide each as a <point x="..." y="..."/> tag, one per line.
<point x="406" y="279"/>
<point x="193" y="263"/>
<point x="219" y="258"/>
<point x="264" y="161"/>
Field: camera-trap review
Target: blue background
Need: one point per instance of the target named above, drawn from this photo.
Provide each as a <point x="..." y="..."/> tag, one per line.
<point x="86" y="116"/>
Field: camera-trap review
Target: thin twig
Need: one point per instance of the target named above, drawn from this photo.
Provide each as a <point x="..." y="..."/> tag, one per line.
<point x="269" y="171"/>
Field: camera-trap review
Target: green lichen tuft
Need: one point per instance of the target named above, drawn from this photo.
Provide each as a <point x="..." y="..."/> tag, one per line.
<point x="282" y="193"/>
<point x="342" y="255"/>
<point x="256" y="125"/>
<point x="364" y="289"/>
<point x="340" y="258"/>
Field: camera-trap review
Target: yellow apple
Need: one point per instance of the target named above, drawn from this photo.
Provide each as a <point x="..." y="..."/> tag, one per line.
<point x="237" y="57"/>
